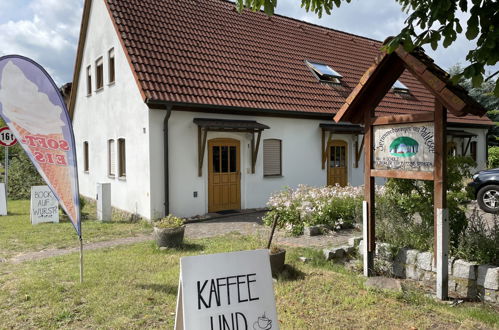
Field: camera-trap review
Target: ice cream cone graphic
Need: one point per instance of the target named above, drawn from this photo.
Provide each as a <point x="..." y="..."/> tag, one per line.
<point x="53" y="167"/>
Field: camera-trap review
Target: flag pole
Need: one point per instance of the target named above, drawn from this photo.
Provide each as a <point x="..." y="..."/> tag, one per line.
<point x="81" y="259"/>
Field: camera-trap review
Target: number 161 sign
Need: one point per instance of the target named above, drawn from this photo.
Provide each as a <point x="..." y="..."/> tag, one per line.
<point x="7" y="138"/>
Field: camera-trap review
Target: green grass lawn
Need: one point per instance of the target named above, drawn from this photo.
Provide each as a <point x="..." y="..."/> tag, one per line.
<point x="136" y="286"/>
<point x="18" y="235"/>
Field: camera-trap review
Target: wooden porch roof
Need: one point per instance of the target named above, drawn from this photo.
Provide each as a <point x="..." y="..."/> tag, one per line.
<point x="381" y="76"/>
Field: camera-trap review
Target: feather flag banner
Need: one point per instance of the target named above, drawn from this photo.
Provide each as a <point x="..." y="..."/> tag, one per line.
<point x="33" y="108"/>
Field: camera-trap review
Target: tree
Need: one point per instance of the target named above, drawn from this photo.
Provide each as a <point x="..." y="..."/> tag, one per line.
<point x="430" y="22"/>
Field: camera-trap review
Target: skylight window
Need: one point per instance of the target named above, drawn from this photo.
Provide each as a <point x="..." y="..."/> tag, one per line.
<point x="399" y="87"/>
<point x="324" y="72"/>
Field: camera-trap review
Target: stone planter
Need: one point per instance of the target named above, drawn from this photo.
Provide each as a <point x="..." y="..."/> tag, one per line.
<point x="169" y="237"/>
<point x="277" y="261"/>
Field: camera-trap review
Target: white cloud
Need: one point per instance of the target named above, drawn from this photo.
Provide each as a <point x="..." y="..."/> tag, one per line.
<point x="49" y="35"/>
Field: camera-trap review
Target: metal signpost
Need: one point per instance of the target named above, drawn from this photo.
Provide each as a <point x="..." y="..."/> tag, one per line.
<point x="7" y="139"/>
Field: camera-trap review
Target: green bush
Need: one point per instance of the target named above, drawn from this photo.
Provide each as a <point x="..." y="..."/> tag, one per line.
<point x="412" y="200"/>
<point x="22" y="175"/>
<point x="479" y="242"/>
<point x="493" y="161"/>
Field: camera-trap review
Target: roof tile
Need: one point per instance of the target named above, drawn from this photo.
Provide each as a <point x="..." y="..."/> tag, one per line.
<point x="206" y="52"/>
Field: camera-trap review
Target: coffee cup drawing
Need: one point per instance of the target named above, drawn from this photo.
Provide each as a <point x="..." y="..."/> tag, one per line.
<point x="263" y="323"/>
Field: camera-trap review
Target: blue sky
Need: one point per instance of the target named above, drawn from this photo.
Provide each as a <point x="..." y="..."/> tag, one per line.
<point x="47" y="30"/>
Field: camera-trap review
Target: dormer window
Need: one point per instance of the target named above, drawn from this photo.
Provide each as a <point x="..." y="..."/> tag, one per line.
<point x="324" y="72"/>
<point x="399" y="87"/>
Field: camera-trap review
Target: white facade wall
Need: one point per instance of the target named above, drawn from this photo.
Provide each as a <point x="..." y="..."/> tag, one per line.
<point x="116" y="111"/>
<point x="301" y="160"/>
<point x="481" y="140"/>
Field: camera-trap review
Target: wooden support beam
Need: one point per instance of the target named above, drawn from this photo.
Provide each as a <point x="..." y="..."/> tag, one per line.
<point x="202" y="136"/>
<point x="441" y="223"/>
<point x="465" y="151"/>
<point x="323" y="148"/>
<point x="325" y="145"/>
<point x="254" y="150"/>
<point x="402" y="174"/>
<point x="402" y="119"/>
<point x="358" y="151"/>
<point x="369" y="220"/>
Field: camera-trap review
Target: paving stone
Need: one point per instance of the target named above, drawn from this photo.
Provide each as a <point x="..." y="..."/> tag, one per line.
<point x="424" y="260"/>
<point x="464" y="269"/>
<point x="354" y="241"/>
<point x="312" y="231"/>
<point x="488" y="277"/>
<point x="384" y="283"/>
<point x="407" y="256"/>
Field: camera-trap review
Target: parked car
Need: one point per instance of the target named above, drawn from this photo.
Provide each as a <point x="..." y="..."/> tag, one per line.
<point x="485" y="186"/>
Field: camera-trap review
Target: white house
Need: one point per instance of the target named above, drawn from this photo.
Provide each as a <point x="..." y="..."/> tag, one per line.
<point x="189" y="107"/>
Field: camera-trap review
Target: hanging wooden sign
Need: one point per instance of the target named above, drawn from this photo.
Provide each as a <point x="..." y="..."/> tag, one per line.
<point x="404" y="147"/>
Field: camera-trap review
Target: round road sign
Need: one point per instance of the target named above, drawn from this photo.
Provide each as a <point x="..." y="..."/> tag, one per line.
<point x="7" y="138"/>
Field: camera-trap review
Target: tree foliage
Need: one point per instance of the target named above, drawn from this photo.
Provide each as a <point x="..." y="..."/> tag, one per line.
<point x="430" y="22"/>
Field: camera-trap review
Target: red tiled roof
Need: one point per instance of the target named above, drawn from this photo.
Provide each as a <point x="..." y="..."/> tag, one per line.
<point x="204" y="52"/>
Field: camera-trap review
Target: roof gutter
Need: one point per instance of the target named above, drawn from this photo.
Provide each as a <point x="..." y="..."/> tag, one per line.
<point x="166" y="159"/>
<point x="181" y="106"/>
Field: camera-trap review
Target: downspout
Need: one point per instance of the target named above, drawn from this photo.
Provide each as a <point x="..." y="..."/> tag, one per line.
<point x="166" y="159"/>
<point x="487" y="149"/>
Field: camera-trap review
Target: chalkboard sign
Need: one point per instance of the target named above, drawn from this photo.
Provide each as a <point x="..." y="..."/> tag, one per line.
<point x="44" y="205"/>
<point x="230" y="291"/>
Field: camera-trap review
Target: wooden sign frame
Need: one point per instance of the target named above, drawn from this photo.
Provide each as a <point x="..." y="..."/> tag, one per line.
<point x="359" y="108"/>
<point x="438" y="176"/>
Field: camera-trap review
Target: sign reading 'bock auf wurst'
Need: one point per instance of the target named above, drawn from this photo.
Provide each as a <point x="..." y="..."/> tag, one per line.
<point x="404" y="147"/>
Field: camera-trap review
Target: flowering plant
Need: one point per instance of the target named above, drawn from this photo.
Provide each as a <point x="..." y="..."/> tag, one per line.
<point x="169" y="221"/>
<point x="334" y="206"/>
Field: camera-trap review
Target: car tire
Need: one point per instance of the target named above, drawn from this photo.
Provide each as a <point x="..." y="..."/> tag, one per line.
<point x="488" y="198"/>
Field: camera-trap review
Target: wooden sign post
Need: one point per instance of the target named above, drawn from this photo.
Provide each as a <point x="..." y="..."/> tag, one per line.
<point x="407" y="146"/>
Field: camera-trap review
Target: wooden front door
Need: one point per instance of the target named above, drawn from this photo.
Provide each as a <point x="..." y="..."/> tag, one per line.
<point x="337" y="163"/>
<point x="224" y="175"/>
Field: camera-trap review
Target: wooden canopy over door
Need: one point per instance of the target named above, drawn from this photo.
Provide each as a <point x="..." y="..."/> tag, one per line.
<point x="337" y="170"/>
<point x="224" y="175"/>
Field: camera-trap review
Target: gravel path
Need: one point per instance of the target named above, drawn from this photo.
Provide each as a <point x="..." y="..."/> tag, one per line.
<point x="244" y="224"/>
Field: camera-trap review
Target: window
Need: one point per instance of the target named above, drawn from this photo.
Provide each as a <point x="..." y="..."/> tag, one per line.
<point x="272" y="157"/>
<point x="112" y="75"/>
<point x="324" y="72"/>
<point x="99" y="73"/>
<point x="89" y="80"/>
<point x="85" y="156"/>
<point x="473" y="147"/>
<point x="121" y="158"/>
<point x="399" y="87"/>
<point x="111" y="154"/>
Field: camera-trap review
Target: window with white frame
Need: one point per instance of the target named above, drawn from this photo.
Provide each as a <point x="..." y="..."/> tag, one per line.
<point x="272" y="157"/>
<point x="112" y="72"/>
<point x="121" y="158"/>
<point x="89" y="80"/>
<point x="86" y="166"/>
<point x="99" y="74"/>
<point x="111" y="161"/>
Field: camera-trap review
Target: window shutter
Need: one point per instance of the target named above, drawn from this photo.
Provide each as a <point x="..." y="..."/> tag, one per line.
<point x="112" y="158"/>
<point x="272" y="157"/>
